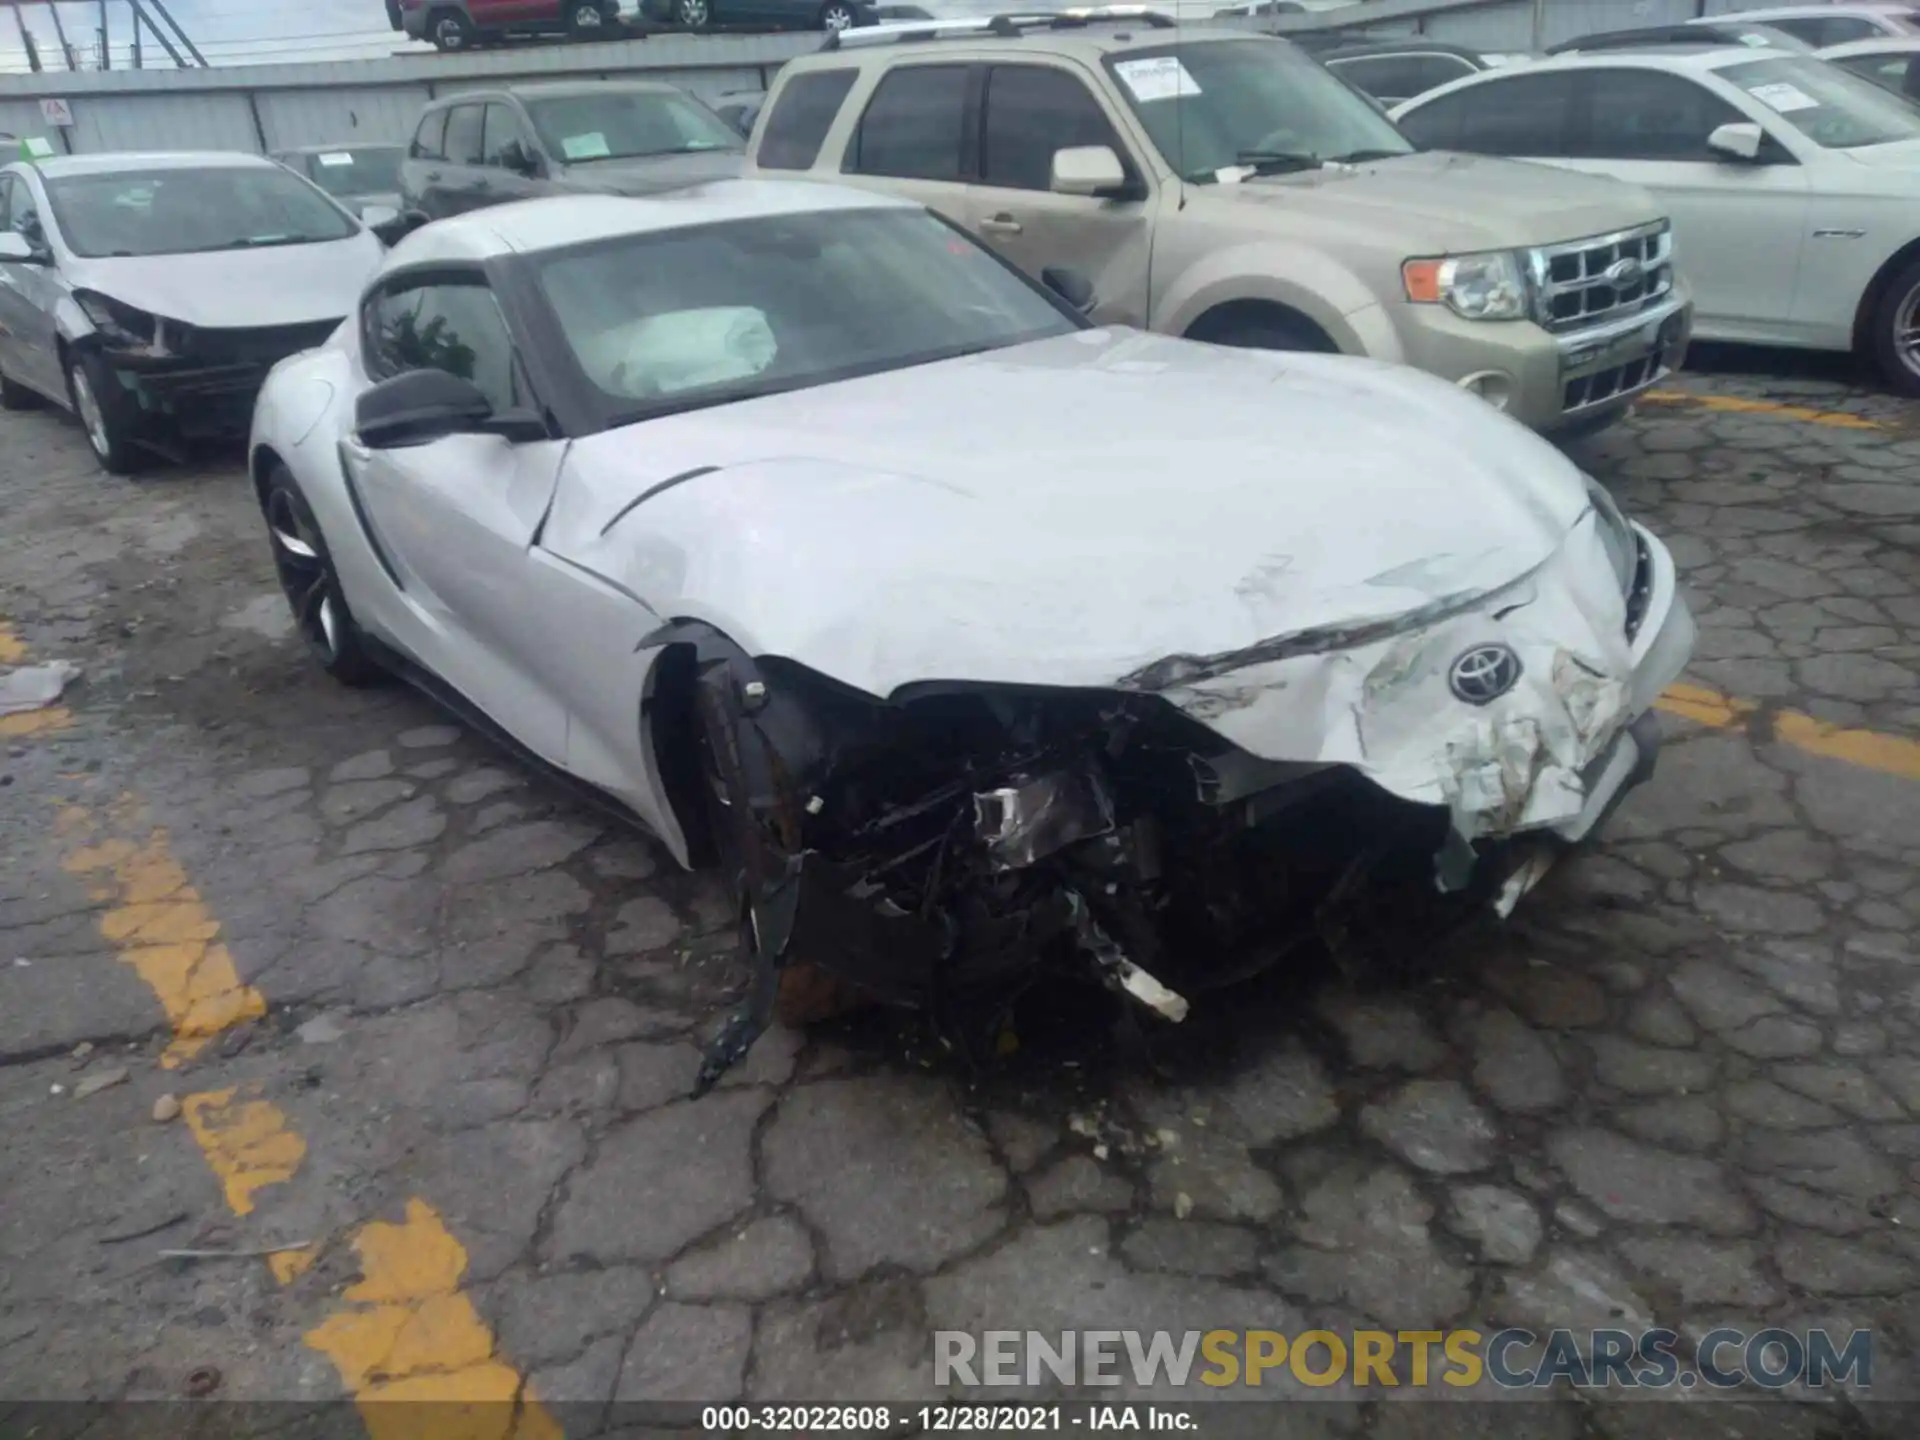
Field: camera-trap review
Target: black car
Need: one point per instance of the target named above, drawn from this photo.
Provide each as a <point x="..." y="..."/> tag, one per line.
<point x="1392" y="71"/>
<point x="1724" y="32"/>
<point x="639" y="137"/>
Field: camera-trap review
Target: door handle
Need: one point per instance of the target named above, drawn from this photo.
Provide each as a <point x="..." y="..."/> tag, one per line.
<point x="1001" y="224"/>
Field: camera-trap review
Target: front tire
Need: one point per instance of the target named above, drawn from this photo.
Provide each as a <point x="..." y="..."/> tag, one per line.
<point x="837" y="15"/>
<point x="106" y="415"/>
<point x="450" y="30"/>
<point x="1894" y="336"/>
<point x="693" y="14"/>
<point x="587" y="20"/>
<point x="311" y="585"/>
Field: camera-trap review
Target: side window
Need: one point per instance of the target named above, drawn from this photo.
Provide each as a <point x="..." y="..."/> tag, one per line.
<point x="1387" y="77"/>
<point x="463" y="135"/>
<point x="914" y="126"/>
<point x="500" y="133"/>
<point x="430" y="142"/>
<point x="1432" y="71"/>
<point x="7" y="183"/>
<point x="799" y="122"/>
<point x="1525" y="115"/>
<point x="444" y="326"/>
<point x="1649" y="115"/>
<point x="1032" y="111"/>
<point x="1819" y="30"/>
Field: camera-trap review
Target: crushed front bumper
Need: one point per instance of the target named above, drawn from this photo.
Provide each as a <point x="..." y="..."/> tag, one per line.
<point x="203" y="382"/>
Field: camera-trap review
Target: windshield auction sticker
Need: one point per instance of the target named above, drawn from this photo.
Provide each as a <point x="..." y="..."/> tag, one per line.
<point x="1162" y="77"/>
<point x="1783" y="97"/>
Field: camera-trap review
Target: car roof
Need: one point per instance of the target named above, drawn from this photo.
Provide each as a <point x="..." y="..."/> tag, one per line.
<point x="344" y="147"/>
<point x="113" y="163"/>
<point x="1412" y="45"/>
<point x="558" y="221"/>
<point x="1797" y="12"/>
<point x="1087" y="38"/>
<point x="1646" y="57"/>
<point x="1878" y="45"/>
<point x="555" y="90"/>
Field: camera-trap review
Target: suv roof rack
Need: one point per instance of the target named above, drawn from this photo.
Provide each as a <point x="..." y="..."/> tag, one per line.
<point x="1010" y="26"/>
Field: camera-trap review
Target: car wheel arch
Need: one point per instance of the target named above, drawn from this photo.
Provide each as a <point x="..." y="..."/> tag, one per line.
<point x="1304" y="280"/>
<point x="1876" y="291"/>
<point x="1231" y="316"/>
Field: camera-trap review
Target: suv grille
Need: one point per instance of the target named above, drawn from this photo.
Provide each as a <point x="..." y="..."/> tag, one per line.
<point x="1603" y="277"/>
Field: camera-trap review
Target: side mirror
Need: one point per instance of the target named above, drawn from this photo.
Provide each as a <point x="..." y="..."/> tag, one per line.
<point x="1737" y="141"/>
<point x="418" y="408"/>
<point x="20" y="250"/>
<point x="517" y="158"/>
<point x="1087" y="170"/>
<point x="391" y="226"/>
<point x="1070" y="285"/>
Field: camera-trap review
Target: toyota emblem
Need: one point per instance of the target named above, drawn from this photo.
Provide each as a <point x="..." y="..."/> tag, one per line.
<point x="1484" y="674"/>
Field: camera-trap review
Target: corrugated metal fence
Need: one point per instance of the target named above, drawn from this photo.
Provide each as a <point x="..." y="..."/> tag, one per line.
<point x="268" y="107"/>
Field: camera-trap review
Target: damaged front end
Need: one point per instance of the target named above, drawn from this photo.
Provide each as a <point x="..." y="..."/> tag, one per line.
<point x="958" y="843"/>
<point x="188" y="380"/>
<point x="1198" y="820"/>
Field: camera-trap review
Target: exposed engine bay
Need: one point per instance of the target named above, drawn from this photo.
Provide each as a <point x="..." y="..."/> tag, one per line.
<point x="965" y="840"/>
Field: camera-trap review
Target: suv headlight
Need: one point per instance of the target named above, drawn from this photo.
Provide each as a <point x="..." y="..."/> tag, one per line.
<point x="1623" y="551"/>
<point x="1486" y="286"/>
<point x="121" y="326"/>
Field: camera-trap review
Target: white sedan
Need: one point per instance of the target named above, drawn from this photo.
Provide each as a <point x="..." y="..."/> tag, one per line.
<point x="1891" y="62"/>
<point x="1794" y="186"/>
<point x="967" y="636"/>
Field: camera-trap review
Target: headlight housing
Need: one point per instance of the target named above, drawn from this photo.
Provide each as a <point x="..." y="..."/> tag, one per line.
<point x="1623" y="551"/>
<point x="1489" y="285"/>
<point x="121" y="326"/>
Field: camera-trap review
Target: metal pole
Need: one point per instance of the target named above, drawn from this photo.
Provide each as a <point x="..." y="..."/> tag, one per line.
<point x="106" y="39"/>
<point x="161" y="10"/>
<point x="1539" y="25"/>
<point x="158" y="34"/>
<point x="136" y="38"/>
<point x="66" y="50"/>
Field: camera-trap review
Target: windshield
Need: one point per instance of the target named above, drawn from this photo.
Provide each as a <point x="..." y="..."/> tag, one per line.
<point x="626" y="124"/>
<point x="1833" y="108"/>
<point x="685" y="318"/>
<point x="1216" y="105"/>
<point x="180" y="212"/>
<point x="356" y="172"/>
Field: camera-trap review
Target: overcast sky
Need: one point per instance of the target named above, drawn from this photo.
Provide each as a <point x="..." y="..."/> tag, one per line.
<point x="228" y="32"/>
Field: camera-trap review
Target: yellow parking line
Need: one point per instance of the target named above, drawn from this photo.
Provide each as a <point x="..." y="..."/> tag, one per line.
<point x="13" y="651"/>
<point x="1889" y="754"/>
<point x="1736" y="405"/>
<point x="410" y="1336"/>
<point x="160" y="926"/>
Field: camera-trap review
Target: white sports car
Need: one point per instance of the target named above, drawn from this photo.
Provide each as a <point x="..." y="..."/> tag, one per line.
<point x="971" y="638"/>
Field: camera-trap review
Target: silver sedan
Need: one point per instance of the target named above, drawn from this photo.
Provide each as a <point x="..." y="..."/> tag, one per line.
<point x="150" y="294"/>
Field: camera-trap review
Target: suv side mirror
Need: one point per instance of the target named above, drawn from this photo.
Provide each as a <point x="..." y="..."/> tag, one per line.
<point x="516" y="157"/>
<point x="391" y="226"/>
<point x="1087" y="170"/>
<point x="418" y="408"/>
<point x="1737" y="141"/>
<point x="16" y="247"/>
<point x="1070" y="285"/>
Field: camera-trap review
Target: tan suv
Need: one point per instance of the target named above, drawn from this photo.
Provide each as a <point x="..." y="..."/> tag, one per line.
<point x="1224" y="186"/>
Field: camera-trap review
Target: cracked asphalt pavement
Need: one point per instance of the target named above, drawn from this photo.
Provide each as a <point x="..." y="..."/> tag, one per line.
<point x="395" y="1037"/>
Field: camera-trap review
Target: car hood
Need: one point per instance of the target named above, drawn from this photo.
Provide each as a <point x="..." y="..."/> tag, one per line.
<point x="1069" y="512"/>
<point x="1440" y="202"/>
<point x="652" y="174"/>
<point x="1899" y="155"/>
<point x="239" y="289"/>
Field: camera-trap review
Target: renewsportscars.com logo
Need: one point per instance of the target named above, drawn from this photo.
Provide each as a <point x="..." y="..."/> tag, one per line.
<point x="1511" y="1359"/>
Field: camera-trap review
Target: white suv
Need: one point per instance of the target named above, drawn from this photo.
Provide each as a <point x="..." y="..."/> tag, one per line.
<point x="1833" y="24"/>
<point x="1793" y="186"/>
